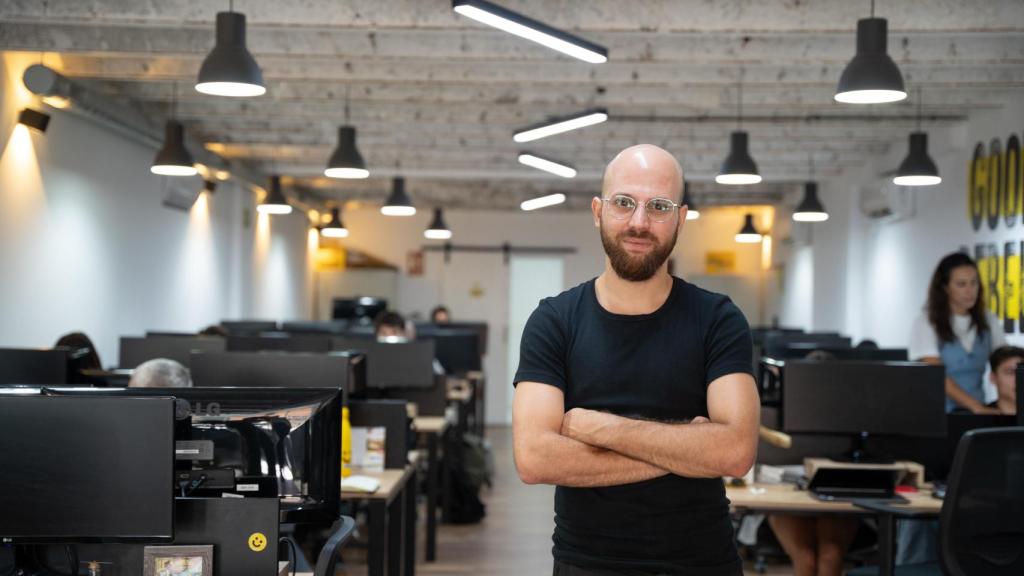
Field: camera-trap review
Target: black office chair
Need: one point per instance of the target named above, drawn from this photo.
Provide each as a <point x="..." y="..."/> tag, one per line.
<point x="327" y="562"/>
<point x="981" y="526"/>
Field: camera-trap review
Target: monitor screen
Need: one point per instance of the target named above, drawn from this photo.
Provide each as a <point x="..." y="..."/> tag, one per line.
<point x="458" y="351"/>
<point x="361" y="308"/>
<point x="86" y="469"/>
<point x="248" y="326"/>
<point x="850" y="397"/>
<point x="279" y="341"/>
<point x="135" y="350"/>
<point x="271" y="370"/>
<point x="34" y="366"/>
<point x="775" y="344"/>
<point x="394" y="365"/>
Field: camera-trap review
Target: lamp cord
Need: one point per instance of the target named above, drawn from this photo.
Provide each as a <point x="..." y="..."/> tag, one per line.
<point x="872" y="8"/>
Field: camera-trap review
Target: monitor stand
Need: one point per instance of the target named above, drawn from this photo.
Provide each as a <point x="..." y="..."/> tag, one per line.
<point x="858" y="452"/>
<point x="30" y="560"/>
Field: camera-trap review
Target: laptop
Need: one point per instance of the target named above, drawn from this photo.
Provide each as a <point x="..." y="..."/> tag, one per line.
<point x="847" y="484"/>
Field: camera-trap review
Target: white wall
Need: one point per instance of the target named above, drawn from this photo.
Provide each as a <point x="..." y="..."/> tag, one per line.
<point x="85" y="243"/>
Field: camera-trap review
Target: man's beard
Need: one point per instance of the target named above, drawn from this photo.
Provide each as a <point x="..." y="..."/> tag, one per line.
<point x="636" y="268"/>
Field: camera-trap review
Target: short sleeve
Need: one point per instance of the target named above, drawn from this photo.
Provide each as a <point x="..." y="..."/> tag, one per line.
<point x="542" y="350"/>
<point x="995" y="326"/>
<point x="727" y="345"/>
<point x="924" y="343"/>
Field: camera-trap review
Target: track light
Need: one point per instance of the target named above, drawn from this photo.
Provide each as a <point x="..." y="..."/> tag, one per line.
<point x="53" y="89"/>
<point x="334" y="228"/>
<point x="437" y="230"/>
<point x="692" y="213"/>
<point x="748" y="234"/>
<point x="556" y="168"/>
<point x="871" y="77"/>
<point x="398" y="202"/>
<point x="173" y="159"/>
<point x="543" y="202"/>
<point x="346" y="161"/>
<point x="34" y="119"/>
<point x="810" y="209"/>
<point x="530" y="29"/>
<point x="275" y="202"/>
<point x="229" y="69"/>
<point x="563" y="124"/>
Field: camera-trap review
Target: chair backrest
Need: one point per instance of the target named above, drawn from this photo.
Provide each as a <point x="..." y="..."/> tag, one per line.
<point x="982" y="525"/>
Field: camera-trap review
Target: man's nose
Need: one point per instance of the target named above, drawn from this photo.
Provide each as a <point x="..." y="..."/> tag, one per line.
<point x="639" y="219"/>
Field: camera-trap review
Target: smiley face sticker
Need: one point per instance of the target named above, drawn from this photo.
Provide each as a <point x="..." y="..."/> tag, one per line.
<point x="257" y="542"/>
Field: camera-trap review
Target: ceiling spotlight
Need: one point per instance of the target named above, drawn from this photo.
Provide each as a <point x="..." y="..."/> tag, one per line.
<point x="556" y="168"/>
<point x="692" y="213"/>
<point x="229" y="69"/>
<point x="563" y="124"/>
<point x="173" y="159"/>
<point x="530" y="29"/>
<point x="748" y="234"/>
<point x="543" y="202"/>
<point x="398" y="202"/>
<point x="437" y="230"/>
<point x="275" y="202"/>
<point x="53" y="88"/>
<point x="34" y="119"/>
<point x="334" y="228"/>
<point x="346" y="161"/>
<point x="810" y="209"/>
<point x="871" y="77"/>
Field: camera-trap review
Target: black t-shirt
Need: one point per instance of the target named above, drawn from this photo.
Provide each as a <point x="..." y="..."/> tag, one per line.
<point x="652" y="366"/>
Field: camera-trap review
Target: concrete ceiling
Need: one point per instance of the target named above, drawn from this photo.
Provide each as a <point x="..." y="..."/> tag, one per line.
<point x="436" y="96"/>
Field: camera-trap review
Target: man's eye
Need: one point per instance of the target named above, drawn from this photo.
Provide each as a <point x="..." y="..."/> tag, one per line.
<point x="624" y="202"/>
<point x="661" y="205"/>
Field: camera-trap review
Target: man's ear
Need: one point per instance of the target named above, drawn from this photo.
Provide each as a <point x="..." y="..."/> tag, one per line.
<point x="595" y="208"/>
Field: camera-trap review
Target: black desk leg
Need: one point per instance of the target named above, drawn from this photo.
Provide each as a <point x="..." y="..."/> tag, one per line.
<point x="432" y="472"/>
<point x="378" y="544"/>
<point x="395" y="533"/>
<point x="886" y="544"/>
<point x="410" y="526"/>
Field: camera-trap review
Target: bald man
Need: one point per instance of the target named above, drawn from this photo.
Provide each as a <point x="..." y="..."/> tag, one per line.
<point x="634" y="395"/>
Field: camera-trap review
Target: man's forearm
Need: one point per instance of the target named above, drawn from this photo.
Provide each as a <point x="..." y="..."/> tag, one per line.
<point x="705" y="450"/>
<point x="551" y="458"/>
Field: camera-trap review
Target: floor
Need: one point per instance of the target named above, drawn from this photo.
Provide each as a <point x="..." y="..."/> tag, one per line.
<point x="513" y="540"/>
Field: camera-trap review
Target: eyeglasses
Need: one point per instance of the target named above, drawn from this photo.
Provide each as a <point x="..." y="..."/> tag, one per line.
<point x="623" y="206"/>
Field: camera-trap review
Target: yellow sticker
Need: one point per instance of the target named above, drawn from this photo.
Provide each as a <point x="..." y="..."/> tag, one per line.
<point x="257" y="542"/>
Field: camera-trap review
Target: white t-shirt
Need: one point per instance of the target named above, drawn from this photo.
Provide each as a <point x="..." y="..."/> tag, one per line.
<point x="924" y="342"/>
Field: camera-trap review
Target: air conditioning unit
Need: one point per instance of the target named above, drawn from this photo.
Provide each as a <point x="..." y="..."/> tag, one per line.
<point x="887" y="202"/>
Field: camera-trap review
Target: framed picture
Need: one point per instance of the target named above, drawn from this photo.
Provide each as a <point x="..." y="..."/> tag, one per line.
<point x="178" y="561"/>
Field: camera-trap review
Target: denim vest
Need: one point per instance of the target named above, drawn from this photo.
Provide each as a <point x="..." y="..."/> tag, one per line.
<point x="967" y="369"/>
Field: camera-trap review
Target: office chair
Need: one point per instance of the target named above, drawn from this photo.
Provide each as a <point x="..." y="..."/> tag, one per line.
<point x="327" y="562"/>
<point x="981" y="526"/>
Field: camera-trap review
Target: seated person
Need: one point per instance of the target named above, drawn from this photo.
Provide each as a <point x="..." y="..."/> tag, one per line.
<point x="160" y="373"/>
<point x="1004" y="361"/>
<point x="82" y="350"/>
<point x="391" y="327"/>
<point x="214" y="330"/>
<point x="440" y="315"/>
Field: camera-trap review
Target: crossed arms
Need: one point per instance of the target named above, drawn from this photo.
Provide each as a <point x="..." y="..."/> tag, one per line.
<point x="586" y="448"/>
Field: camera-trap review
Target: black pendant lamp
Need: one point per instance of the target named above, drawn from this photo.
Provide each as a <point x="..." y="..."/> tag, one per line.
<point x="748" y="234"/>
<point x="692" y="213"/>
<point x="275" y="202"/>
<point x="229" y="69"/>
<point x="174" y="159"/>
<point x="398" y="202"/>
<point x="346" y="161"/>
<point x="334" y="228"/>
<point x="918" y="168"/>
<point x="437" y="230"/>
<point x="810" y="209"/>
<point x="871" y="77"/>
<point x="739" y="167"/>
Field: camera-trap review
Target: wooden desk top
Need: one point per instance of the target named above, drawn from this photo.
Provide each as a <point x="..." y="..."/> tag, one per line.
<point x="391" y="482"/>
<point x="430" y="424"/>
<point x="786" y="498"/>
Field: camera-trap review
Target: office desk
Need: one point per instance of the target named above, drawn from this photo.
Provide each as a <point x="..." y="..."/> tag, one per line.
<point x="787" y="499"/>
<point x="432" y="428"/>
<point x="392" y="521"/>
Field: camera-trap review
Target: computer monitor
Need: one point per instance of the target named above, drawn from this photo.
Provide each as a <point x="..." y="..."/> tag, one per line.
<point x="86" y="469"/>
<point x="394" y="365"/>
<point x="364" y="308"/>
<point x="798" y="350"/>
<point x="426" y="329"/>
<point x="135" y="350"/>
<point x="279" y="341"/>
<point x="861" y="399"/>
<point x="248" y="326"/>
<point x="277" y="369"/>
<point x="457" y="350"/>
<point x="34" y="366"/>
<point x="315" y="327"/>
<point x="292" y="435"/>
<point x="775" y="344"/>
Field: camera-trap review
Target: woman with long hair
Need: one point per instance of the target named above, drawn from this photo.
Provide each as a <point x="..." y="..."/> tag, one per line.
<point x="956" y="332"/>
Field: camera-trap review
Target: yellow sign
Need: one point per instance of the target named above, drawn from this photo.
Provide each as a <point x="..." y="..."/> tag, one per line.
<point x="720" y="262"/>
<point x="330" y="258"/>
<point x="257" y="542"/>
